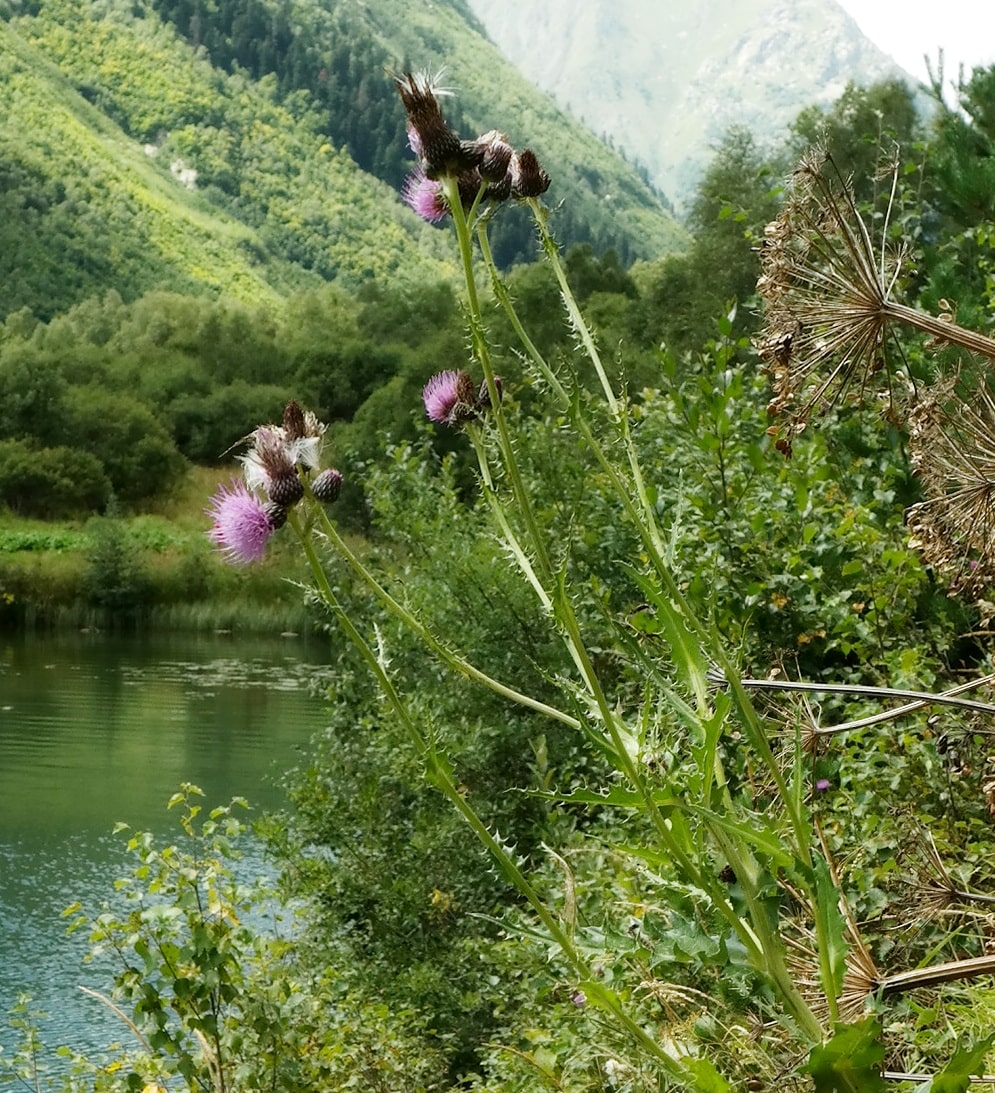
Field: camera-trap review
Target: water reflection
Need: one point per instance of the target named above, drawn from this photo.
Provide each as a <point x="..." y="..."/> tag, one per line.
<point x="99" y="729"/>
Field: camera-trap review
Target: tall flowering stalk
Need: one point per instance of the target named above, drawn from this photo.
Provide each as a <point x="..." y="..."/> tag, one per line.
<point x="690" y="639"/>
<point x="741" y="854"/>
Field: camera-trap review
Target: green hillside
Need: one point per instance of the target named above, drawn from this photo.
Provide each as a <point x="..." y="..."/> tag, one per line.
<point x="135" y="156"/>
<point x="85" y="207"/>
<point x="336" y="53"/>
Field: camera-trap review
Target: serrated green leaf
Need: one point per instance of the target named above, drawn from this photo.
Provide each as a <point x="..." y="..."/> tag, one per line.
<point x="955" y="1077"/>
<point x="849" y="1062"/>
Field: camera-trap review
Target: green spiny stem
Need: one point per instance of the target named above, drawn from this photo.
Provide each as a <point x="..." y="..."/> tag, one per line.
<point x="644" y="520"/>
<point x="497" y="510"/>
<point x="577" y="320"/>
<point x="537" y="541"/>
<point x="522" y="499"/>
<point x="765" y="951"/>
<point x="453" y="659"/>
<point x="749" y="938"/>
<point x="440" y="776"/>
<point x="504" y="298"/>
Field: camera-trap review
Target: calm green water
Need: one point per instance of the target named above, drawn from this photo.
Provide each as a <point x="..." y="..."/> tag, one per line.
<point x="97" y="729"/>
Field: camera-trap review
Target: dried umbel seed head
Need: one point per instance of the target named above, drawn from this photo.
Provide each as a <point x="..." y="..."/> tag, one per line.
<point x="826" y="292"/>
<point x="438" y="147"/>
<point x="952" y="448"/>
<point x="528" y="179"/>
<point x="327" y="486"/>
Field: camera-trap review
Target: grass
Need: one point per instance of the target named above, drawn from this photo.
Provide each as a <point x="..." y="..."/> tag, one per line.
<point x="47" y="572"/>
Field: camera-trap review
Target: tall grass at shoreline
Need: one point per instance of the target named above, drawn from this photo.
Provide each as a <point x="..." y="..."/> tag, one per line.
<point x="153" y="570"/>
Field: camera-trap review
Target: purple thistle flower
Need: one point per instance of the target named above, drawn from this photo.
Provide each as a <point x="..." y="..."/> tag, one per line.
<point x="425" y="196"/>
<point x="449" y="397"/>
<point x="823" y="784"/>
<point x="242" y="526"/>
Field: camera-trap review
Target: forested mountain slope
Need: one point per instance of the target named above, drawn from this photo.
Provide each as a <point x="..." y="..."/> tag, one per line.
<point x="666" y="81"/>
<point x="255" y="149"/>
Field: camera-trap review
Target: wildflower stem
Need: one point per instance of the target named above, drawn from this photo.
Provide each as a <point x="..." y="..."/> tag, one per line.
<point x="950" y="972"/>
<point x="482" y="352"/>
<point x="453" y="659"/>
<point x="642" y="514"/>
<point x="901" y="711"/>
<point x="439" y="771"/>
<point x="577" y="320"/>
<point x="761" y="942"/>
<point x="942" y="330"/>
<point x="497" y="510"/>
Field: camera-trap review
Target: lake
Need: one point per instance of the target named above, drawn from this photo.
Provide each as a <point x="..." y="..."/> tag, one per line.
<point x="97" y="729"/>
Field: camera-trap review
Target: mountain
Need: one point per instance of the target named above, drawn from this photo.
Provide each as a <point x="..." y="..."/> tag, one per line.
<point x="255" y="147"/>
<point x="665" y="81"/>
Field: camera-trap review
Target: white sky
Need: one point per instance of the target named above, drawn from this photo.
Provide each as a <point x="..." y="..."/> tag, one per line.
<point x="906" y="29"/>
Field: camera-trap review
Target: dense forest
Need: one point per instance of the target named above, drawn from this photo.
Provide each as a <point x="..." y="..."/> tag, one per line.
<point x="421" y="959"/>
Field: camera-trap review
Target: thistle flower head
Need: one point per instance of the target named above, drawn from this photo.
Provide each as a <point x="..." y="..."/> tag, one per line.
<point x="825" y="291"/>
<point x="278" y="451"/>
<point x="241" y="524"/>
<point x="426" y="196"/>
<point x="450" y="397"/>
<point x="327" y="486"/>
<point x="528" y="179"/>
<point x="438" y="147"/>
<point x="495" y="155"/>
<point x="268" y="458"/>
<point x="294" y="424"/>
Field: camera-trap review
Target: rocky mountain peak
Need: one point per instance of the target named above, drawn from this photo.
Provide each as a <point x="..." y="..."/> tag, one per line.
<point x="664" y="82"/>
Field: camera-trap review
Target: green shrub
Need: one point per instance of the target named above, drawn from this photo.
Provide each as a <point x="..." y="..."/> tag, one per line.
<point x="50" y="482"/>
<point x="138" y="455"/>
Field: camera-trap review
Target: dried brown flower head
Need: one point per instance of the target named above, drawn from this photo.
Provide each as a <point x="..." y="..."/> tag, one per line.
<point x="439" y="148"/>
<point x="952" y="445"/>
<point x="825" y="291"/>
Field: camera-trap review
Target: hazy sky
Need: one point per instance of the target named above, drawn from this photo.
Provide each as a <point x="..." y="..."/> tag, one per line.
<point x="906" y="29"/>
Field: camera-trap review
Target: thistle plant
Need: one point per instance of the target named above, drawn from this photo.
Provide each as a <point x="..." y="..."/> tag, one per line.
<point x="722" y="835"/>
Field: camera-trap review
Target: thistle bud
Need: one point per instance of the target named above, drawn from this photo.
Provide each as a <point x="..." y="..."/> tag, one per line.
<point x="495" y="155"/>
<point x="484" y="395"/>
<point x="528" y="179"/>
<point x="440" y="148"/>
<point x="276" y="515"/>
<point x="293" y="421"/>
<point x="285" y="490"/>
<point x="327" y="486"/>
